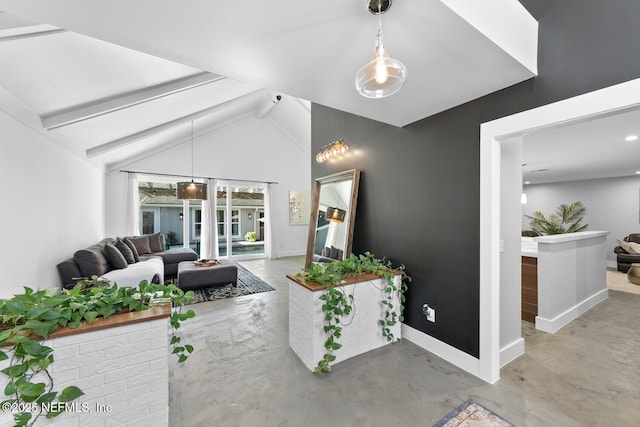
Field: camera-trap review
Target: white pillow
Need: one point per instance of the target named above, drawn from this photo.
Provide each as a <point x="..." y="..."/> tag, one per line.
<point x="635" y="247"/>
<point x="630" y="247"/>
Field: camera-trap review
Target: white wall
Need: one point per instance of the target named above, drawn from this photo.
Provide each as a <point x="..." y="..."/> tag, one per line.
<point x="612" y="205"/>
<point x="248" y="149"/>
<point x="511" y="342"/>
<point x="52" y="205"/>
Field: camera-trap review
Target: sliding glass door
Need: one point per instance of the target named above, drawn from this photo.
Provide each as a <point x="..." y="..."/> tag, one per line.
<point x="240" y="219"/>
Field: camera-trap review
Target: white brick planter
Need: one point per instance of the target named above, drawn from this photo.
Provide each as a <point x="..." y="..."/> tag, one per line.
<point x="363" y="334"/>
<point x="120" y="363"/>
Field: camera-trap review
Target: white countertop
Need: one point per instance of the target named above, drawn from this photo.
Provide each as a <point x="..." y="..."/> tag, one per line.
<point x="530" y="244"/>
<point x="569" y="237"/>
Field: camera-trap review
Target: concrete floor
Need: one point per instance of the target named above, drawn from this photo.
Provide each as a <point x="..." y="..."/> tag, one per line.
<point x="243" y="373"/>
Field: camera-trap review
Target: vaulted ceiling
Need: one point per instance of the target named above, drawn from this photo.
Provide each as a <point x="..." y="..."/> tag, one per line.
<point x="118" y="79"/>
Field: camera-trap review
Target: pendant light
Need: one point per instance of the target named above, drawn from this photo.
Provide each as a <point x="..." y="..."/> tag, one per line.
<point x="382" y="76"/>
<point x="336" y="214"/>
<point x="191" y="190"/>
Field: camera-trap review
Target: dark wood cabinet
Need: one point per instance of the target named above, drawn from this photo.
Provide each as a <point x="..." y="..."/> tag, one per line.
<point x="529" y="288"/>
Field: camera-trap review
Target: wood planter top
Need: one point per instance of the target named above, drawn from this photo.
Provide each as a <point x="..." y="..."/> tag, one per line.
<point x="119" y="319"/>
<point x="317" y="286"/>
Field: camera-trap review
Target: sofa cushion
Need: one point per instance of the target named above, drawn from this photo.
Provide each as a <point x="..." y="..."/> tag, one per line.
<point x="156" y="242"/>
<point x="176" y="255"/>
<point x="126" y="252"/>
<point x="91" y="261"/>
<point x="151" y="270"/>
<point x="115" y="257"/>
<point x="68" y="271"/>
<point x="141" y="243"/>
<point x="134" y="251"/>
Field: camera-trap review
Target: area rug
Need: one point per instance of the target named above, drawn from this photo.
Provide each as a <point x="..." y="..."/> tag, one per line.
<point x="472" y="414"/>
<point x="248" y="284"/>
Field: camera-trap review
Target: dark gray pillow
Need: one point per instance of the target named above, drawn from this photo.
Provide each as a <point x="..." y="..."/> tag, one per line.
<point x="126" y="252"/>
<point x="156" y="242"/>
<point x="91" y="261"/>
<point x="134" y="251"/>
<point x="114" y="256"/>
<point x="141" y="243"/>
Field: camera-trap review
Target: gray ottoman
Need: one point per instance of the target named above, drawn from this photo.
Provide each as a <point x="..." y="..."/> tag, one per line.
<point x="191" y="276"/>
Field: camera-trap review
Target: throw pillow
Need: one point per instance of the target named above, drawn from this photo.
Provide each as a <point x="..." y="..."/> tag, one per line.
<point x="141" y="243"/>
<point x="630" y="247"/>
<point x="156" y="242"/>
<point x="91" y="261"/>
<point x="635" y="247"/>
<point x="134" y="251"/>
<point x="126" y="252"/>
<point x="114" y="256"/>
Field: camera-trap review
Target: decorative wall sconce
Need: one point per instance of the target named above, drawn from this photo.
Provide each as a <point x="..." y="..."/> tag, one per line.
<point x="250" y="216"/>
<point x="181" y="216"/>
<point x="332" y="150"/>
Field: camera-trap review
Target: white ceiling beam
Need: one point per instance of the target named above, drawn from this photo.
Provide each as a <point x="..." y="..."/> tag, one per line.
<point x="130" y="139"/>
<point x="7" y="35"/>
<point x="110" y="104"/>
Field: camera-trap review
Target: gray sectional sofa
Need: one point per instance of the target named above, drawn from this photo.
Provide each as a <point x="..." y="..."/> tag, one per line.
<point x="125" y="261"/>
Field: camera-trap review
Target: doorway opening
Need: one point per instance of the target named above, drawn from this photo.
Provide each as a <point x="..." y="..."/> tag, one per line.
<point x="497" y="138"/>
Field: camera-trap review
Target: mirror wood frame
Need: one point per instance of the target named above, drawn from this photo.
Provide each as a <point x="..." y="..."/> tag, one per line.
<point x="354" y="176"/>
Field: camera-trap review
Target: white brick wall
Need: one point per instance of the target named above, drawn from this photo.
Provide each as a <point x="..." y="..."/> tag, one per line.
<point x="306" y="322"/>
<point x="124" y="366"/>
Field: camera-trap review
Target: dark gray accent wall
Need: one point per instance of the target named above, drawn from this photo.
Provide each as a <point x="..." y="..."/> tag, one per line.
<point x="419" y="194"/>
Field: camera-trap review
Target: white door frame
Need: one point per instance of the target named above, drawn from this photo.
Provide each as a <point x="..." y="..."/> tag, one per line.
<point x="493" y="134"/>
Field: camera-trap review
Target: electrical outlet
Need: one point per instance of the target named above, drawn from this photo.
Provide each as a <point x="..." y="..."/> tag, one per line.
<point x="429" y="312"/>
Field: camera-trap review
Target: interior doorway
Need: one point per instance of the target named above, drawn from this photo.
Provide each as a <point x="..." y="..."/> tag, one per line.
<point x="497" y="138"/>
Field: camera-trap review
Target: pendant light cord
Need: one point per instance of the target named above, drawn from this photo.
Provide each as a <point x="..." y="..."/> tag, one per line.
<point x="191" y="150"/>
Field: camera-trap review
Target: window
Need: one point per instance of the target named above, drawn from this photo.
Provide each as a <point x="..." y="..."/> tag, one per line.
<point x="148" y="222"/>
<point x="222" y="229"/>
<point x="235" y="223"/>
<point x="197" y="222"/>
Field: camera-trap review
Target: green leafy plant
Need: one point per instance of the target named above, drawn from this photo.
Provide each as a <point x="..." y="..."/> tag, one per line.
<point x="250" y="236"/>
<point x="172" y="238"/>
<point x="567" y="219"/>
<point x="337" y="304"/>
<point x="27" y="319"/>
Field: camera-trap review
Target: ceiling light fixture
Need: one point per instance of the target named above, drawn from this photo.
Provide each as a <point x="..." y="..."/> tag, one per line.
<point x="191" y="190"/>
<point x="631" y="138"/>
<point x="382" y="76"/>
<point x="334" y="150"/>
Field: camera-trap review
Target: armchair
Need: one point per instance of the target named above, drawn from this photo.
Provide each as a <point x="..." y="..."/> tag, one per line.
<point x="624" y="258"/>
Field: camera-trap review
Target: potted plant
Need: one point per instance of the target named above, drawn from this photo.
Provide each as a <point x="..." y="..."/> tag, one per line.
<point x="26" y="319"/>
<point x="567" y="219"/>
<point x="337" y="304"/>
<point x="250" y="236"/>
<point x="172" y="239"/>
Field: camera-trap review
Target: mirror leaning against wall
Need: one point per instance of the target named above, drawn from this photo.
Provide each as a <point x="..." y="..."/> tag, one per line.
<point x="332" y="217"/>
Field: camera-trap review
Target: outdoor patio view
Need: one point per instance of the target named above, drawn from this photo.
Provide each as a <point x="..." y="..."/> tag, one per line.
<point x="239" y="217"/>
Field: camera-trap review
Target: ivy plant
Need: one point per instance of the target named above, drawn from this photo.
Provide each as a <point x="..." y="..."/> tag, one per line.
<point x="29" y="318"/>
<point x="337" y="304"/>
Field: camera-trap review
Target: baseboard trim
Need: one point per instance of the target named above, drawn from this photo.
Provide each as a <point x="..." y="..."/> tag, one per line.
<point x="511" y="351"/>
<point x="444" y="351"/>
<point x="554" y="325"/>
<point x="290" y="253"/>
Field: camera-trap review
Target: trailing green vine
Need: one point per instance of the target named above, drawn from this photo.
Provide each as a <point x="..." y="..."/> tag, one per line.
<point x="26" y="319"/>
<point x="337" y="304"/>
